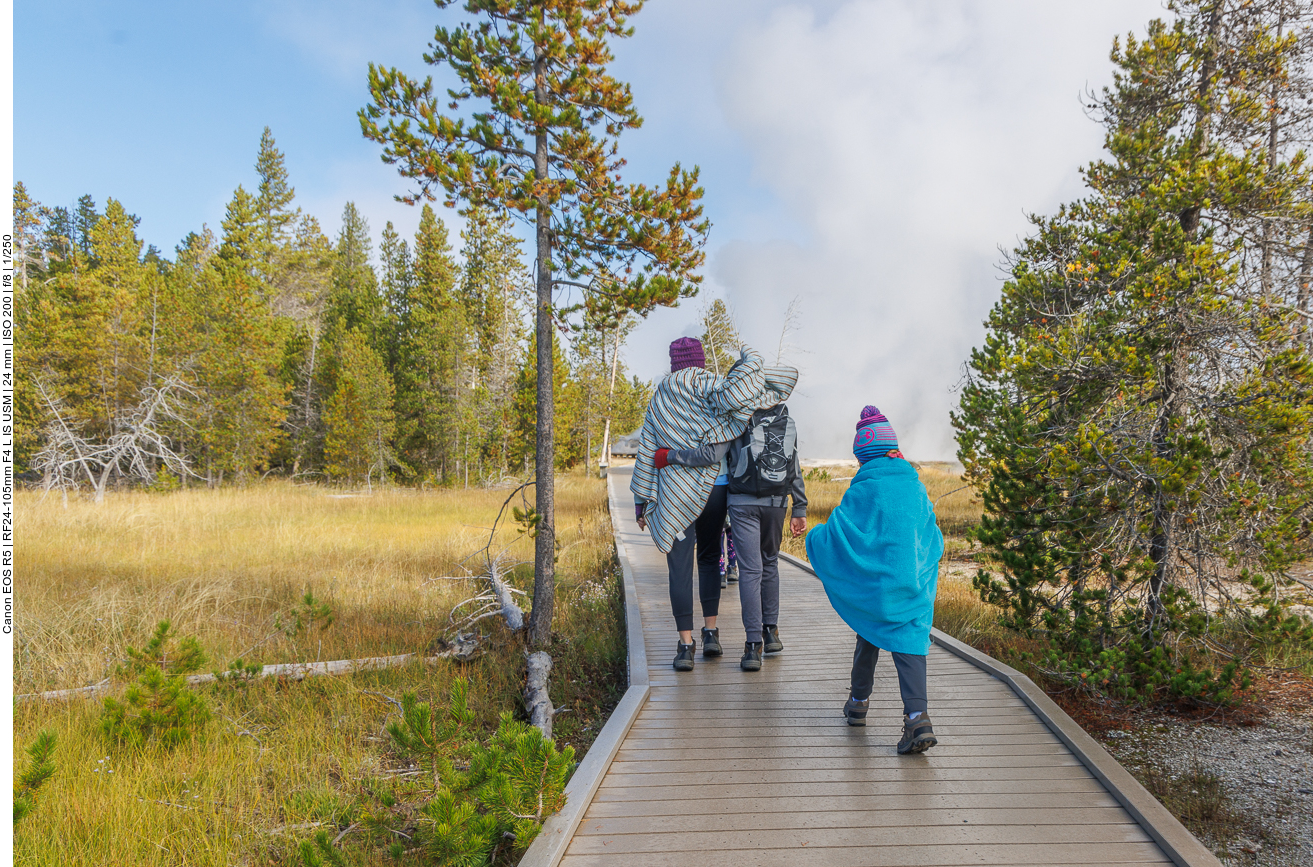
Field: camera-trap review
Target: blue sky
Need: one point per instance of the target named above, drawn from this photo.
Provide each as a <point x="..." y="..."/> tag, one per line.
<point x="867" y="158"/>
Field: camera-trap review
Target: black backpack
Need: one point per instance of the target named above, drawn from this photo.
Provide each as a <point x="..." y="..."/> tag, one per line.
<point x="761" y="461"/>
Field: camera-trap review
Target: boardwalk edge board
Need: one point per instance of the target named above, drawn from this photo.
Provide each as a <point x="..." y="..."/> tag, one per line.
<point x="549" y="846"/>
<point x="1176" y="841"/>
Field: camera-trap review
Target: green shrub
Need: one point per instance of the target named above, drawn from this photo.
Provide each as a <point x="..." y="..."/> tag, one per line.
<point x="520" y="777"/>
<point x="40" y="768"/>
<point x="156" y="707"/>
<point x="497" y="804"/>
<point x="309" y="613"/>
<point x="161" y="654"/>
<point x="431" y="740"/>
<point x="319" y="852"/>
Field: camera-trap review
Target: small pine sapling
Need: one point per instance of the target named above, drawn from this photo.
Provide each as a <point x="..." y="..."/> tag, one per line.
<point x="156" y="707"/>
<point x="455" y="833"/>
<point x="40" y="768"/>
<point x="520" y="777"/>
<point x="320" y="852"/>
<point x="239" y="672"/>
<point x="311" y="612"/>
<point x="161" y="655"/>
<point x="434" y="740"/>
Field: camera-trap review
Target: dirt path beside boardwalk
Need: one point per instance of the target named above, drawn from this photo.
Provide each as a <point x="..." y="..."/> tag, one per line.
<point x="1245" y="790"/>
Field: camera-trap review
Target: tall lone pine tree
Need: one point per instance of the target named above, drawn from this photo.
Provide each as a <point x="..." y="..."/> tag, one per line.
<point x="1140" y="417"/>
<point x="541" y="142"/>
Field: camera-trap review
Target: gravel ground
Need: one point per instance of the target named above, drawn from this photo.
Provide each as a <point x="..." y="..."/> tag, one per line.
<point x="1265" y="772"/>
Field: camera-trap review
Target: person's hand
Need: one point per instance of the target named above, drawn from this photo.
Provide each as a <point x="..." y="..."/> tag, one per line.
<point x="660" y="459"/>
<point x="798" y="526"/>
<point x="642" y="523"/>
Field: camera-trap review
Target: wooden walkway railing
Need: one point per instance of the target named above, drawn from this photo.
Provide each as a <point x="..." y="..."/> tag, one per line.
<point x="719" y="766"/>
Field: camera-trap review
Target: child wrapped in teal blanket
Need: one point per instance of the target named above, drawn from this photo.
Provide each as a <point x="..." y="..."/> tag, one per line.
<point x="878" y="557"/>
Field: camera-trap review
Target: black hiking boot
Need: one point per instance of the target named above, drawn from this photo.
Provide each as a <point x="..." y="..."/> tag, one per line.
<point x="711" y="642"/>
<point x="771" y="637"/>
<point x="732" y="576"/>
<point x="684" y="655"/>
<point x="751" y="660"/>
<point x="918" y="735"/>
<point x="855" y="711"/>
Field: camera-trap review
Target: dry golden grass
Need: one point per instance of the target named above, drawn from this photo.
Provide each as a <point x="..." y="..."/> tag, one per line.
<point x="228" y="567"/>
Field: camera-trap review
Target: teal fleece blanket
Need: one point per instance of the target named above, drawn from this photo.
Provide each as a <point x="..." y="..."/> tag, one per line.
<point x="878" y="556"/>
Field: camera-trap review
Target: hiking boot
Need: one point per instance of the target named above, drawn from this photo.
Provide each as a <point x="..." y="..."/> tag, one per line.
<point x="711" y="642"/>
<point x="684" y="655"/>
<point x="918" y="735"/>
<point x="771" y="636"/>
<point x="724" y="582"/>
<point x="855" y="711"/>
<point x="732" y="576"/>
<point x="751" y="660"/>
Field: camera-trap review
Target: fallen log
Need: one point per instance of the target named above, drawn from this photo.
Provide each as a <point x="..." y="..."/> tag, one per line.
<point x="536" y="700"/>
<point x="293" y="670"/>
<point x="512" y="613"/>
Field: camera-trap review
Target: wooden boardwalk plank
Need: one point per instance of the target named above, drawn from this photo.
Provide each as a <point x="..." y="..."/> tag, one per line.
<point x="759" y="769"/>
<point x="929" y="855"/>
<point x="764" y="804"/>
<point x="1109" y="815"/>
<point x="962" y="833"/>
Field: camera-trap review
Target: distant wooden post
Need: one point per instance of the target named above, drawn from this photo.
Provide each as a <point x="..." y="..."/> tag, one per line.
<point x="604" y="459"/>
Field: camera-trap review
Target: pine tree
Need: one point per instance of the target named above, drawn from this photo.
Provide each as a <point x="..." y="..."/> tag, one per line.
<point x="354" y="299"/>
<point x="545" y="146"/>
<point x="85" y="219"/>
<point x="398" y="271"/>
<point x="217" y="319"/>
<point x="359" y="417"/>
<point x="241" y="233"/>
<point x="494" y="288"/>
<point x="302" y="291"/>
<point x="1138" y="419"/>
<point x="58" y="243"/>
<point x="29" y="218"/>
<point x="434" y="357"/>
<point x="524" y="411"/>
<point x="121" y="346"/>
<point x="720" y="337"/>
<point x="274" y="195"/>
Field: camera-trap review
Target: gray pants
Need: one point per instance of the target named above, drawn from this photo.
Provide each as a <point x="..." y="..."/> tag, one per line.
<point x="757" y="532"/>
<point x="911" y="676"/>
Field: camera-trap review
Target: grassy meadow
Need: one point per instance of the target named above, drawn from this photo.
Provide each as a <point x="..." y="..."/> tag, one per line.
<point x="280" y="760"/>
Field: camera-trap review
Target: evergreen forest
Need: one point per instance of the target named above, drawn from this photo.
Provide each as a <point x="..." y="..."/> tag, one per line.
<point x="270" y="349"/>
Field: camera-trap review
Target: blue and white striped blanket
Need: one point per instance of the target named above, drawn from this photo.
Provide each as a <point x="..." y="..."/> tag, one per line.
<point x="692" y="407"/>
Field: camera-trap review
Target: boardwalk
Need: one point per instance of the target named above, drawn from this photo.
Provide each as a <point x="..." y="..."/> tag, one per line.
<point x="726" y="767"/>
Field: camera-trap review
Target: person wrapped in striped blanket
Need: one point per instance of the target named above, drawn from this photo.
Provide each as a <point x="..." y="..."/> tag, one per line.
<point x="683" y="506"/>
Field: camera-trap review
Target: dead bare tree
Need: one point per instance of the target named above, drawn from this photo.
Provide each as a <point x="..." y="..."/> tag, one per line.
<point x="135" y="448"/>
<point x="792" y="322"/>
<point x="499" y="599"/>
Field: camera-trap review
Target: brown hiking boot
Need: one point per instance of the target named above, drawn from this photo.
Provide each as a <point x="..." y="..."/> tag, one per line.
<point x="918" y="735"/>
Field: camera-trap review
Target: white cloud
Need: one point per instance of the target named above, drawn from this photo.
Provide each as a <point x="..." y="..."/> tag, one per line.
<point x="908" y="139"/>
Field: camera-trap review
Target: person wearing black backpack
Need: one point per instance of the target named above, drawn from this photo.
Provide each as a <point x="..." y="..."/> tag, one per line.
<point x="764" y="474"/>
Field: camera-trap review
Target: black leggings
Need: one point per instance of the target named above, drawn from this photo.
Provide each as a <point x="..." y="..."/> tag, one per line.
<point x="911" y="675"/>
<point x="705" y="533"/>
